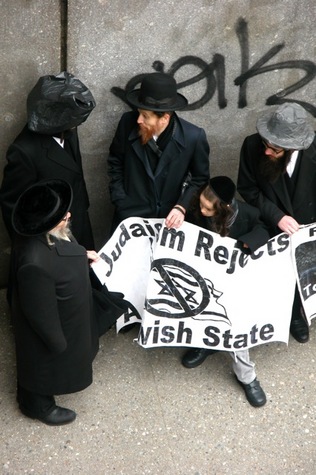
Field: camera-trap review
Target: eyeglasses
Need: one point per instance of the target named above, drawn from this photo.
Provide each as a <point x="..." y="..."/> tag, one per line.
<point x="277" y="151"/>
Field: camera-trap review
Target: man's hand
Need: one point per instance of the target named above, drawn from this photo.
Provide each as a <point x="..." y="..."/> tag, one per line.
<point x="175" y="218"/>
<point x="288" y="225"/>
<point x="93" y="256"/>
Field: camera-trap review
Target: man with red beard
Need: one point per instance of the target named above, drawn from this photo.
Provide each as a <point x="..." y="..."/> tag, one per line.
<point x="156" y="159"/>
<point x="277" y="173"/>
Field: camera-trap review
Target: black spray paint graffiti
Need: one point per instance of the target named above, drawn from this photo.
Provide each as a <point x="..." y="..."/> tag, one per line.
<point x="246" y="73"/>
<point x="214" y="74"/>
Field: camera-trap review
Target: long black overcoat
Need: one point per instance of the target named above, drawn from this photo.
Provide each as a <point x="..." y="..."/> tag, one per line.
<point x="55" y="333"/>
<point x="273" y="199"/>
<point x="33" y="157"/>
<point x="135" y="190"/>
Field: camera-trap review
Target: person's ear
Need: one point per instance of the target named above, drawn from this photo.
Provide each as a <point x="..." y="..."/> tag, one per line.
<point x="166" y="118"/>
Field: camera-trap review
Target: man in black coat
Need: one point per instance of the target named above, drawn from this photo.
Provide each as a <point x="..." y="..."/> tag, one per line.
<point x="52" y="314"/>
<point x="156" y="159"/>
<point x="277" y="174"/>
<point x="48" y="147"/>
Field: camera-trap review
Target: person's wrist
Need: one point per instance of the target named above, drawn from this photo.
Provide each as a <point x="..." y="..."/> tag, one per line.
<point x="179" y="208"/>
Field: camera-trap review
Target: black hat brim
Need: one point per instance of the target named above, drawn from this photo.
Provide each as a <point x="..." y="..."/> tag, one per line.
<point x="21" y="222"/>
<point x="295" y="141"/>
<point x="133" y="98"/>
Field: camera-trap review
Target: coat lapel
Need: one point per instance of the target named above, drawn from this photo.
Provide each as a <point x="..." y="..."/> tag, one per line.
<point x="173" y="149"/>
<point x="304" y="181"/>
<point x="57" y="154"/>
<point x="69" y="248"/>
<point x="140" y="151"/>
<point x="305" y="178"/>
<point x="281" y="191"/>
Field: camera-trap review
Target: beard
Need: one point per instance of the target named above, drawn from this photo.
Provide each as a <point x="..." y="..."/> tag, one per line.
<point x="60" y="234"/>
<point x="146" y="133"/>
<point x="272" y="168"/>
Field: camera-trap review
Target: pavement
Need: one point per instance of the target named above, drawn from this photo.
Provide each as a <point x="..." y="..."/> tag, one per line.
<point x="147" y="414"/>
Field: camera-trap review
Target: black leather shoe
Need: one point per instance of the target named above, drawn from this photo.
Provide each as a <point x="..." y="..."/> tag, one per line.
<point x="299" y="329"/>
<point x="58" y="417"/>
<point x="196" y="356"/>
<point x="254" y="393"/>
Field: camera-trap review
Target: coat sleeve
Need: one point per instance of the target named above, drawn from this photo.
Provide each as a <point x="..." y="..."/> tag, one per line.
<point x="38" y="302"/>
<point x="116" y="158"/>
<point x="19" y="173"/>
<point x="255" y="233"/>
<point x="250" y="184"/>
<point x="199" y="170"/>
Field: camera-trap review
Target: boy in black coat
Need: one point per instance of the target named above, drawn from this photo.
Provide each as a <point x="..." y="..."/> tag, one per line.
<point x="215" y="208"/>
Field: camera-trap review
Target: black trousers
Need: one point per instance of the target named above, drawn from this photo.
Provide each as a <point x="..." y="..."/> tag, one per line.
<point x="297" y="305"/>
<point x="33" y="404"/>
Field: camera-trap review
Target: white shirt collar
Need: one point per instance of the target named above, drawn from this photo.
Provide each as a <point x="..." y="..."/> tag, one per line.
<point x="58" y="140"/>
<point x="291" y="165"/>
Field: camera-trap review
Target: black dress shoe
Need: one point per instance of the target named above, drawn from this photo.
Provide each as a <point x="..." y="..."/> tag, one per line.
<point x="299" y="329"/>
<point x="58" y="417"/>
<point x="196" y="356"/>
<point x="254" y="393"/>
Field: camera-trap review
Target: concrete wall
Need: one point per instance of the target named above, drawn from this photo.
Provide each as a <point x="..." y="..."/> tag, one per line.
<point x="231" y="58"/>
<point x="30" y="48"/>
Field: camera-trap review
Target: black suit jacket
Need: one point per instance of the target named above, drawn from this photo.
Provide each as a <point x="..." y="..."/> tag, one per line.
<point x="33" y="157"/>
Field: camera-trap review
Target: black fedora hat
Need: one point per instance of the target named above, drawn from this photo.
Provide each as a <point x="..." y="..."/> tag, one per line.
<point x="158" y="92"/>
<point x="41" y="207"/>
<point x="223" y="187"/>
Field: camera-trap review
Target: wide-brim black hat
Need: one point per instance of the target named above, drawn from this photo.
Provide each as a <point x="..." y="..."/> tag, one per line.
<point x="58" y="103"/>
<point x="41" y="207"/>
<point x="288" y="127"/>
<point x="223" y="187"/>
<point x="158" y="92"/>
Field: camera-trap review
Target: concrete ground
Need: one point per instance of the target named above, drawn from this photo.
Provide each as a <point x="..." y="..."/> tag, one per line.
<point x="146" y="414"/>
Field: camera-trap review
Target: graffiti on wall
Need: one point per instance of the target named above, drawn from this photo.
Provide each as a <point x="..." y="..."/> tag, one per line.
<point x="214" y="74"/>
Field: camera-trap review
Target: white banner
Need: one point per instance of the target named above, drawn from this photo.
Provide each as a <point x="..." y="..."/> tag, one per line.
<point x="304" y="259"/>
<point x="191" y="287"/>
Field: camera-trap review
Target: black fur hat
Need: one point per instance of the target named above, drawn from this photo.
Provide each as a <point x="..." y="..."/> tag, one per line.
<point x="41" y="207"/>
<point x="223" y="187"/>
